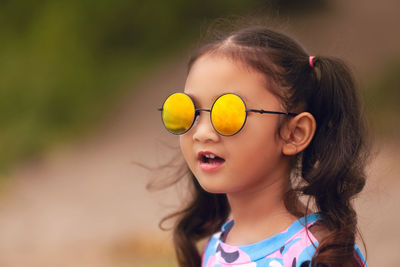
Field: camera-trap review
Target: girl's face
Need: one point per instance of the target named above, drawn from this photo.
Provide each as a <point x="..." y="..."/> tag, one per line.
<point x="252" y="159"/>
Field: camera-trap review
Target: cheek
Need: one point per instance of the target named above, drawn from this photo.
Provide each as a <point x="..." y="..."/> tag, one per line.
<point x="182" y="144"/>
<point x="260" y="146"/>
<point x="263" y="134"/>
<point x="186" y="147"/>
<point x="256" y="163"/>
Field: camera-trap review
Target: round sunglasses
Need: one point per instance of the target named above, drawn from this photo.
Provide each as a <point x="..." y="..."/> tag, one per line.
<point x="228" y="113"/>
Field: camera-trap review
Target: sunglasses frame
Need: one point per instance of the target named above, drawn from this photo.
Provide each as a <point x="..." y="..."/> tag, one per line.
<point x="197" y="113"/>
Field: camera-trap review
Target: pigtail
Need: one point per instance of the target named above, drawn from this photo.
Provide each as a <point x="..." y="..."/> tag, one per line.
<point x="333" y="164"/>
<point x="203" y="216"/>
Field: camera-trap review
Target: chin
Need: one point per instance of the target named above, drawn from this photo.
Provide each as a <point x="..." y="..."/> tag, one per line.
<point x="212" y="189"/>
<point x="216" y="189"/>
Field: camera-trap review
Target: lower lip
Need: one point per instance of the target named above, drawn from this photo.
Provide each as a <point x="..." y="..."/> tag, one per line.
<point x="210" y="167"/>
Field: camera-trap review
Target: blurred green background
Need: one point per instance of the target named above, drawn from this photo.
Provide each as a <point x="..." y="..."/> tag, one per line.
<point x="65" y="65"/>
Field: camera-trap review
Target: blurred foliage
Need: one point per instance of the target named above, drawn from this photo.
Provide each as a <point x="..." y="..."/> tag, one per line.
<point x="63" y="63"/>
<point x="382" y="98"/>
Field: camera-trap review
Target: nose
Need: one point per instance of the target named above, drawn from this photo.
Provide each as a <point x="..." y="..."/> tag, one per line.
<point x="203" y="131"/>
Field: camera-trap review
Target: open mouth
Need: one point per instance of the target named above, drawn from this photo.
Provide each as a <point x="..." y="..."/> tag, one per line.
<point x="210" y="161"/>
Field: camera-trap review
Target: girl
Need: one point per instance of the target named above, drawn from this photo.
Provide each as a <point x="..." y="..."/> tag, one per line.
<point x="261" y="124"/>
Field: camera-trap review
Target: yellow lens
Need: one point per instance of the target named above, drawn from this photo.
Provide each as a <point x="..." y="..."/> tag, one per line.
<point x="178" y="113"/>
<point x="228" y="114"/>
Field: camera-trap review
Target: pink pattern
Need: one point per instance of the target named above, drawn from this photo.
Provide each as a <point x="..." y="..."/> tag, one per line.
<point x="295" y="250"/>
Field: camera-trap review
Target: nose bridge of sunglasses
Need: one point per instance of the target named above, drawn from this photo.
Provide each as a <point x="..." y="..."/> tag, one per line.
<point x="197" y="113"/>
<point x="202" y="109"/>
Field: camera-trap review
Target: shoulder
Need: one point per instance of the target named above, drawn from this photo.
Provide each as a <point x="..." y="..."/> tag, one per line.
<point x="299" y="249"/>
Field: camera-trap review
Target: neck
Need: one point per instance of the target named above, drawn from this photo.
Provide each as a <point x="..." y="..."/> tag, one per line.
<point x="259" y="214"/>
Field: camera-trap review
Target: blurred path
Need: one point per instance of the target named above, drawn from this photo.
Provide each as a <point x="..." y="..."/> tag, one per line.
<point x="75" y="205"/>
<point x="73" y="202"/>
<point x="378" y="206"/>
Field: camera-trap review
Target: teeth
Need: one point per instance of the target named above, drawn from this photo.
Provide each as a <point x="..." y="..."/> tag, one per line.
<point x="210" y="156"/>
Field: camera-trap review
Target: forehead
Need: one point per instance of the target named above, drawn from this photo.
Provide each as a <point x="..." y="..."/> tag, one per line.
<point x="213" y="75"/>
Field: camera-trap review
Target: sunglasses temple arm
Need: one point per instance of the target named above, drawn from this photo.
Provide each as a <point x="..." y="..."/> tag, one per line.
<point x="261" y="111"/>
<point x="248" y="110"/>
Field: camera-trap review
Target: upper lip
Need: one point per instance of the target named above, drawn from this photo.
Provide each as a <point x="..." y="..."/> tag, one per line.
<point x="202" y="153"/>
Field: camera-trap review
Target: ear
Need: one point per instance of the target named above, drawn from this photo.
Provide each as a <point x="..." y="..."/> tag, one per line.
<point x="298" y="133"/>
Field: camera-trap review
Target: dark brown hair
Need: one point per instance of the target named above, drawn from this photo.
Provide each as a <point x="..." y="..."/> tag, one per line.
<point x="330" y="171"/>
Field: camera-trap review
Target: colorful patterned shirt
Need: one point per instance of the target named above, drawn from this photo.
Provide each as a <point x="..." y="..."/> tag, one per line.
<point x="293" y="247"/>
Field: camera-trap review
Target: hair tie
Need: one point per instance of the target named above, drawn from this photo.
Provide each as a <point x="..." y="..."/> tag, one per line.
<point x="310" y="61"/>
